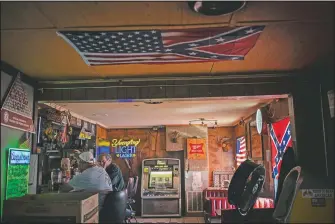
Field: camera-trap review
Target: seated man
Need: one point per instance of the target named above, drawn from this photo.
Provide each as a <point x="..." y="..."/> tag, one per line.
<point x="113" y="171"/>
<point x="92" y="178"/>
<point x="115" y="174"/>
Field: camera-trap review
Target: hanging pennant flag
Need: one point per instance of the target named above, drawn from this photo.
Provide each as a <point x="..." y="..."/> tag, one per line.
<point x="163" y="46"/>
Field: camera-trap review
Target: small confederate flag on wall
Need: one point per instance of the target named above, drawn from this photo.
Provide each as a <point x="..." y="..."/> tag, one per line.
<point x="163" y="46"/>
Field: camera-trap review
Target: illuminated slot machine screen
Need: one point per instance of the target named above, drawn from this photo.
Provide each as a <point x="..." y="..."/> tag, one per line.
<point x="161" y="176"/>
<point x="160" y="179"/>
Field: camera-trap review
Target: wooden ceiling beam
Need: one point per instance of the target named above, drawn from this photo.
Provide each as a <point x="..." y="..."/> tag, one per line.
<point x="169" y="26"/>
<point x="168" y="89"/>
<point x="227" y="77"/>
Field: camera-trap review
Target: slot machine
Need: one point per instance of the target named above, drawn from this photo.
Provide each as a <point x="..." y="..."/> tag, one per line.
<point x="161" y="188"/>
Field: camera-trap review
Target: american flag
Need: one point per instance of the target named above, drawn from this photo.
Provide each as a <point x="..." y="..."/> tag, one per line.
<point x="159" y="46"/>
<point x="241" y="150"/>
<point x="280" y="133"/>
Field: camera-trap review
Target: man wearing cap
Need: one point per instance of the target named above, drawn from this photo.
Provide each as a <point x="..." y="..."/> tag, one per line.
<point x="92" y="178"/>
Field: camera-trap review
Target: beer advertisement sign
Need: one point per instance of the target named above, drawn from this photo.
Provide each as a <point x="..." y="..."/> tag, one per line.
<point x="196" y="148"/>
<point x="125" y="149"/>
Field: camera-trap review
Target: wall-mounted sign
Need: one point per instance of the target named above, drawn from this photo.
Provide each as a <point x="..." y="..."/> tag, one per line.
<point x="51" y="114"/>
<point x="125" y="148"/>
<point x="17" y="157"/>
<point x="85" y="134"/>
<point x="196" y="148"/>
<point x="317" y="193"/>
<point x="17" y="173"/>
<point x="16" y="112"/>
<point x="104" y="143"/>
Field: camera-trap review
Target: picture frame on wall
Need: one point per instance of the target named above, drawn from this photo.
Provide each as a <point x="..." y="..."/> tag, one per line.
<point x="255" y="142"/>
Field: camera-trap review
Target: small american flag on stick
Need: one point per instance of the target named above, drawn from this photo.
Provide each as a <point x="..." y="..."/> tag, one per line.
<point x="241" y="150"/>
<point x="159" y="46"/>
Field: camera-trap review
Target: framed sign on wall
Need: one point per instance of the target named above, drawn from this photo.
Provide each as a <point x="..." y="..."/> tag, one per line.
<point x="196" y="149"/>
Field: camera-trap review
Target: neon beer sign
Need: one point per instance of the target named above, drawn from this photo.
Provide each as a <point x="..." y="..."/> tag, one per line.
<point x="125" y="148"/>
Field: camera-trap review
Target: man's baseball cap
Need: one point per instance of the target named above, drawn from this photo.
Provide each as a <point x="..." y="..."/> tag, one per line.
<point x="86" y="157"/>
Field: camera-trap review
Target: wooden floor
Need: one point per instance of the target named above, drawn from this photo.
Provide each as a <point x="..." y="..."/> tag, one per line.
<point x="171" y="220"/>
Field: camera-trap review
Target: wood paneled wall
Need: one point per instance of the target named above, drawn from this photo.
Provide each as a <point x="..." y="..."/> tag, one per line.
<point x="218" y="159"/>
<point x="153" y="144"/>
<point x="101" y="132"/>
<point x="280" y="110"/>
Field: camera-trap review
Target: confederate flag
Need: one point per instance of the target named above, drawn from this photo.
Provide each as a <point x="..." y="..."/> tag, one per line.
<point x="280" y="133"/>
<point x="163" y="46"/>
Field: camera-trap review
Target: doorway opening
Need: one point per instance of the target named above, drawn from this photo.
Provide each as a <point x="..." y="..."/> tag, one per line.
<point x="230" y="130"/>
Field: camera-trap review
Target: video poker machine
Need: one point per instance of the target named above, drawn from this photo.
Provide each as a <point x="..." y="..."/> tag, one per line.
<point x="161" y="188"/>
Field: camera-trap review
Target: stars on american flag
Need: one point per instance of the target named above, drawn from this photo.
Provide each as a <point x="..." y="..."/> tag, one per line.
<point x="118" y="42"/>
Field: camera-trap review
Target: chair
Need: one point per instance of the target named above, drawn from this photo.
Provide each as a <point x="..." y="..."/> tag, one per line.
<point x="114" y="207"/>
<point x="131" y="190"/>
<point x="288" y="163"/>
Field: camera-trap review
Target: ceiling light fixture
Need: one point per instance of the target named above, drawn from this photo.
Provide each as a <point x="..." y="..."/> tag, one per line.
<point x="153" y="102"/>
<point x="216" y="8"/>
<point x="203" y="121"/>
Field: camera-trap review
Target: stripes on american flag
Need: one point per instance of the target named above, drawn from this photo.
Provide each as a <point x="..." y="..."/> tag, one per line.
<point x="159" y="46"/>
<point x="241" y="150"/>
